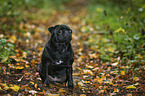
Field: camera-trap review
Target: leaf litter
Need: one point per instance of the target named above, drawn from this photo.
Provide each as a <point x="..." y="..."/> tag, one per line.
<point x="91" y="75"/>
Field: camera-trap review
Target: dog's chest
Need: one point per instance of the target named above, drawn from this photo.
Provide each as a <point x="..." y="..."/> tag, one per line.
<point x="60" y="58"/>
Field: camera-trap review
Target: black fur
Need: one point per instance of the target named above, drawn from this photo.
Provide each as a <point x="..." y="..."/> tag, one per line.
<point x="57" y="57"/>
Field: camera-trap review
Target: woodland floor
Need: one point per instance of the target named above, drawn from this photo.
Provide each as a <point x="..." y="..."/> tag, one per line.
<point x="91" y="76"/>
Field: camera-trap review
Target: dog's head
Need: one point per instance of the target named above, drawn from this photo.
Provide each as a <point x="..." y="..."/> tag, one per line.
<point x="61" y="36"/>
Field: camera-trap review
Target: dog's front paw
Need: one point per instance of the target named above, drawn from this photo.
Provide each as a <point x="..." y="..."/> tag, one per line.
<point x="71" y="86"/>
<point x="46" y="82"/>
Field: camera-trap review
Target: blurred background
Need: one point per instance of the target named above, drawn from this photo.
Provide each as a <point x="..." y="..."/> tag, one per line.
<point x="120" y="23"/>
<point x="106" y="34"/>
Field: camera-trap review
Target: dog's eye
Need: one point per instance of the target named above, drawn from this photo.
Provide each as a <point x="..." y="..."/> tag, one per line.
<point x="60" y="31"/>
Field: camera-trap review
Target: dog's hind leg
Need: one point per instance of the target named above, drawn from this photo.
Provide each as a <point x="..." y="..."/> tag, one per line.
<point x="46" y="74"/>
<point x="39" y="68"/>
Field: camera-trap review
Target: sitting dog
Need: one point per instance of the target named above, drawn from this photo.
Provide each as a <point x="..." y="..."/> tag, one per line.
<point x="57" y="57"/>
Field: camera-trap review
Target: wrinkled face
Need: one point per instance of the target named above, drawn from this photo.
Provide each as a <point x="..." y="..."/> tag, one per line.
<point x="61" y="36"/>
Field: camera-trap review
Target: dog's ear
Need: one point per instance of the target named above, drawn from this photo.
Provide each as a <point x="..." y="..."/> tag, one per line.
<point x="51" y="29"/>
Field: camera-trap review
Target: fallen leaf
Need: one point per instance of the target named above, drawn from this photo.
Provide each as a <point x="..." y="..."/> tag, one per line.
<point x="11" y="65"/>
<point x="80" y="83"/>
<point x="35" y="85"/>
<point x="33" y="92"/>
<point x="115" y="64"/>
<point x="39" y="49"/>
<point x="95" y="69"/>
<point x="62" y="90"/>
<point x="24" y="54"/>
<point x="78" y="68"/>
<point x="131" y="87"/>
<point x="82" y="95"/>
<point x="4" y="59"/>
<point x="19" y="67"/>
<point x="14" y="87"/>
<point x="116" y="90"/>
<point x="122" y="73"/>
<point x="75" y="74"/>
<point x="13" y="39"/>
<point x="20" y="79"/>
<point x="31" y="82"/>
<point x="86" y="71"/>
<point x="44" y="92"/>
<point x="89" y="66"/>
<point x="101" y="91"/>
<point x="103" y="77"/>
<point x="5" y="86"/>
<point x="53" y="94"/>
<point x="135" y="79"/>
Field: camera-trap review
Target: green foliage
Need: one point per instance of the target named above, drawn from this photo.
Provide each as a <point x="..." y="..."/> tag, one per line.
<point x="6" y="49"/>
<point x="56" y="4"/>
<point x="15" y="7"/>
<point x="123" y="25"/>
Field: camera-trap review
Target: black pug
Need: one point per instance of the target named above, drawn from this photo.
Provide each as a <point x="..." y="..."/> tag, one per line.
<point x="57" y="57"/>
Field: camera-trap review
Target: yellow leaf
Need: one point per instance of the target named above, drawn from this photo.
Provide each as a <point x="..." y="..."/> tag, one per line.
<point x="129" y="94"/>
<point x="31" y="82"/>
<point x="110" y="49"/>
<point x="84" y="29"/>
<point x="99" y="9"/>
<point x="4" y="59"/>
<point x="94" y="55"/>
<point x="140" y="56"/>
<point x="122" y="73"/>
<point x="82" y="95"/>
<point x="89" y="66"/>
<point x="96" y="69"/>
<point x="6" y="87"/>
<point x="100" y="80"/>
<point x="116" y="90"/>
<point x="75" y="74"/>
<point x="86" y="71"/>
<point x="62" y="90"/>
<point x="91" y="40"/>
<point x="101" y="91"/>
<point x="15" y="87"/>
<point x="120" y="30"/>
<point x="26" y="65"/>
<point x="135" y="79"/>
<point x="24" y="54"/>
<point x="110" y="83"/>
<point x="131" y="87"/>
<point x="19" y="67"/>
<point x="78" y="68"/>
<point x="13" y="39"/>
<point x="35" y="85"/>
<point x="87" y="82"/>
<point x="1" y="88"/>
<point x="79" y="60"/>
<point x="53" y="94"/>
<point x="75" y="19"/>
<point x="103" y="77"/>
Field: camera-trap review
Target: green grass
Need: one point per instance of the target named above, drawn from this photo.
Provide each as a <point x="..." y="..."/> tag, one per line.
<point x="122" y="26"/>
